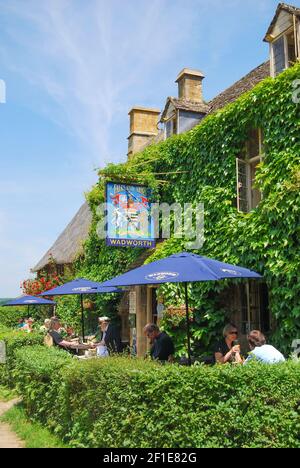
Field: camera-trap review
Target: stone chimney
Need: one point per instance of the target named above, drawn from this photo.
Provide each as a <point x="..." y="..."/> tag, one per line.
<point x="190" y="85"/>
<point x="143" y="127"/>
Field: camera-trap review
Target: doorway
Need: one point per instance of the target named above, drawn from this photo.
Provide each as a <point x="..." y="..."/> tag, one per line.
<point x="248" y="306"/>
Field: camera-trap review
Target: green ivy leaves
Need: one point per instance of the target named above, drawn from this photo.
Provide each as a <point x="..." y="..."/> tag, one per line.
<point x="200" y="166"/>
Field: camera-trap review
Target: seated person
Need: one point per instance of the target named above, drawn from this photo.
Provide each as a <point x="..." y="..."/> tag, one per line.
<point x="224" y="350"/>
<point x="28" y="327"/>
<point x="70" y="332"/>
<point x="109" y="337"/>
<point x="58" y="340"/>
<point x="162" y="345"/>
<point x="21" y="323"/>
<point x="45" y="328"/>
<point x="261" y="351"/>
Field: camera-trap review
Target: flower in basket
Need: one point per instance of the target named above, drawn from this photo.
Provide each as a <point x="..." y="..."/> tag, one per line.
<point x="34" y="287"/>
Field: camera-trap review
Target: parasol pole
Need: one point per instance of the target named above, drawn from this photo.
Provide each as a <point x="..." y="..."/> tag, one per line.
<point x="82" y="317"/>
<point x="248" y="307"/>
<point x="188" y="324"/>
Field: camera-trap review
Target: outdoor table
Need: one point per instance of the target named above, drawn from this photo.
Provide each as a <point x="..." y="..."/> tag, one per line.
<point x="86" y="354"/>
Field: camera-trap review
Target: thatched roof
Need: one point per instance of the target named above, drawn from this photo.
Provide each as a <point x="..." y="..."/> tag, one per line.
<point x="240" y="87"/>
<point x="70" y="243"/>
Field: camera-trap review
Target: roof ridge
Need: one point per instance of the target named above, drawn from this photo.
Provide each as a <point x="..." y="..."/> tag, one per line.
<point x="70" y="239"/>
<point x="240" y="87"/>
<point x="281" y="7"/>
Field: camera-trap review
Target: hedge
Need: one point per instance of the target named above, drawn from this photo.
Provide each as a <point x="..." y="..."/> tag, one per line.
<point x="121" y="402"/>
<point x="14" y="340"/>
<point x="10" y="316"/>
<point x="38" y="378"/>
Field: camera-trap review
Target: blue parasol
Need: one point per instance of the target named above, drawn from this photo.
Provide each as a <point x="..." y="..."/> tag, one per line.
<point x="80" y="287"/>
<point x="181" y="268"/>
<point x="29" y="301"/>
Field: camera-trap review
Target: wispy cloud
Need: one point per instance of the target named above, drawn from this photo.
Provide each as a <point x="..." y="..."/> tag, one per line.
<point x="83" y="64"/>
<point x="87" y="56"/>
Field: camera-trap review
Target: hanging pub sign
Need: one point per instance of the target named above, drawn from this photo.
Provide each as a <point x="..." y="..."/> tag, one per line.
<point x="129" y="220"/>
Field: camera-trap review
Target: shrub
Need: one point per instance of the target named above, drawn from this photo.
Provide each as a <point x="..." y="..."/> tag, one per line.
<point x="14" y="340"/>
<point x="179" y="407"/>
<point x="9" y="316"/>
<point x="38" y="378"/>
<point x="121" y="402"/>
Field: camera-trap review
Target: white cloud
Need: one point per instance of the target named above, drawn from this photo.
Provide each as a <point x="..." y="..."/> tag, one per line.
<point x="93" y="60"/>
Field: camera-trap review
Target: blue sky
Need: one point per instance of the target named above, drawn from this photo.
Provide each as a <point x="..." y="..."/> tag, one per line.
<point x="73" y="69"/>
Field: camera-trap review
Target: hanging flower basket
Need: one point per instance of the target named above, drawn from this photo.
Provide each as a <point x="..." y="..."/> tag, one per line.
<point x="34" y="287"/>
<point x="179" y="311"/>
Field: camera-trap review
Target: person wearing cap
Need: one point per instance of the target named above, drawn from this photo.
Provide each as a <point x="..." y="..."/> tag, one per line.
<point x="46" y="327"/>
<point x="109" y="336"/>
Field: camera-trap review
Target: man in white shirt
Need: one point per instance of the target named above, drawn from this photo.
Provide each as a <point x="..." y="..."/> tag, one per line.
<point x="109" y="336"/>
<point x="261" y="351"/>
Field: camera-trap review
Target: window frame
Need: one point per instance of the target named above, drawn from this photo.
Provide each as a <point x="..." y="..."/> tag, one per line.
<point x="174" y="121"/>
<point x="248" y="162"/>
<point x="255" y="311"/>
<point x="284" y="35"/>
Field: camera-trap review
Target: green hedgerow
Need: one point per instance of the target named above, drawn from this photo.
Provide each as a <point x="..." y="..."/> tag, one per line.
<point x="14" y="340"/>
<point x="121" y="402"/>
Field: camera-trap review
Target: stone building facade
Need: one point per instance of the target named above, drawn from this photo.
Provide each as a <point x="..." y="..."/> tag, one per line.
<point x="248" y="302"/>
<point x="147" y="126"/>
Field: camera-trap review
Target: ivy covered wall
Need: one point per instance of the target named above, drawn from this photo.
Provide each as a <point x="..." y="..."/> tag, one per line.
<point x="200" y="166"/>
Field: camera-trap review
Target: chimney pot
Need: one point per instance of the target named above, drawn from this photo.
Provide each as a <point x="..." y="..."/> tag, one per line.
<point x="190" y="85"/>
<point x="143" y="127"/>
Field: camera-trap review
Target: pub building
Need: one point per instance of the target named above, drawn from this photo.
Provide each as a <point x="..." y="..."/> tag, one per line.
<point x="248" y="302"/>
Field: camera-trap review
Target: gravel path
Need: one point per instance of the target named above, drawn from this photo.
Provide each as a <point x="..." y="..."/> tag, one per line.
<point x="7" y="438"/>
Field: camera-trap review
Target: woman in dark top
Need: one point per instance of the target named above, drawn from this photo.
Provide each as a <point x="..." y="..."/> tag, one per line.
<point x="225" y="351"/>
